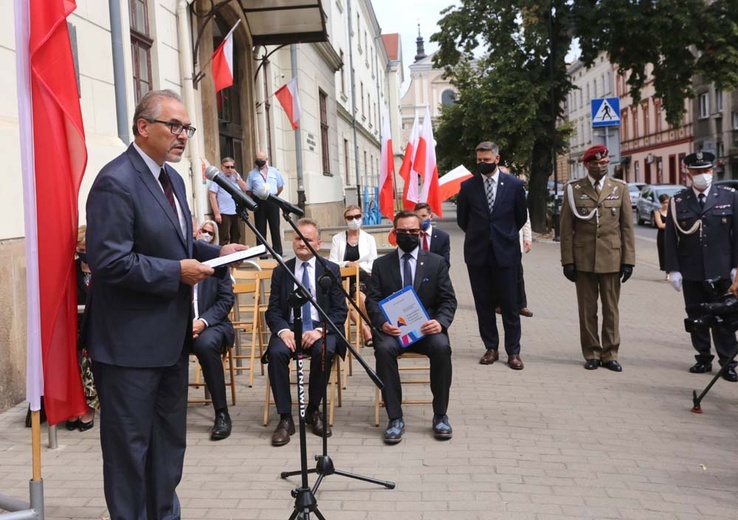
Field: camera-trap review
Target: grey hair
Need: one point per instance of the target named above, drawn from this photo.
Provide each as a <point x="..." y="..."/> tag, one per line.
<point x="149" y="107"/>
<point x="488" y="146"/>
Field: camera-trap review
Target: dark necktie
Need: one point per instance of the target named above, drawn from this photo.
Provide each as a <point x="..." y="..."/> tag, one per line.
<point x="166" y="184"/>
<point x="701" y="198"/>
<point x="597" y="187"/>
<point x="490" y="191"/>
<point x="425" y="240"/>
<point x="307" y="320"/>
<point x="407" y="272"/>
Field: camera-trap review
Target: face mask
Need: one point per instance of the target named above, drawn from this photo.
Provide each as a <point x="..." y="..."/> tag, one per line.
<point x="407" y="242"/>
<point x="354" y="224"/>
<point x="486" y="168"/>
<point x="260" y="163"/>
<point x="426" y="224"/>
<point x="597" y="171"/>
<point x="702" y="181"/>
<point x="205" y="237"/>
<point x="82" y="256"/>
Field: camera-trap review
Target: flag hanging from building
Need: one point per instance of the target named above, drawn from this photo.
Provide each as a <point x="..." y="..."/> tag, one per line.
<point x="54" y="158"/>
<point x="426" y="167"/>
<point x="290" y="101"/>
<point x="409" y="177"/>
<point x="222" y="66"/>
<point x="386" y="172"/>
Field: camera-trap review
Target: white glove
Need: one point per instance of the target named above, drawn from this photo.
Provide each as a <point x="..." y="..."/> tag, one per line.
<point x="675" y="279"/>
<point x="732" y="275"/>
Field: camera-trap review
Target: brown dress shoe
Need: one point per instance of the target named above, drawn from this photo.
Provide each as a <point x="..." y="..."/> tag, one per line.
<point x="515" y="362"/>
<point x="282" y="432"/>
<point x="525" y="311"/>
<point x="315" y="418"/>
<point x="489" y="357"/>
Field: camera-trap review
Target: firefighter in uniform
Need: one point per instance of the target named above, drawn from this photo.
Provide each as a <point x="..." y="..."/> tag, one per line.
<point x="701" y="244"/>
<point x="598" y="254"/>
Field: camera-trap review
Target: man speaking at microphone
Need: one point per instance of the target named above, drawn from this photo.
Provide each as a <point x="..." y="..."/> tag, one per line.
<point x="262" y="181"/>
<point x="138" y="320"/>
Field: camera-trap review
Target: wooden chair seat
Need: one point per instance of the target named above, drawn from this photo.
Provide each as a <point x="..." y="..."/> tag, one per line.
<point x="416" y="374"/>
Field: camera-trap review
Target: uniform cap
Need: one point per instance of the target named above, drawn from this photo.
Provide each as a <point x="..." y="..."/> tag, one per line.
<point x="699" y="160"/>
<point x="595" y="153"/>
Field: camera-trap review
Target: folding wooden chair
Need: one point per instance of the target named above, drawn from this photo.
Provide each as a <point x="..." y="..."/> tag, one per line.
<point x="231" y="381"/>
<point x="246" y="321"/>
<point x="352" y="330"/>
<point x="417" y="374"/>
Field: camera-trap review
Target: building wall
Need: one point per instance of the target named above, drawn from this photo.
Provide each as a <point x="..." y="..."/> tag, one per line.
<point x="426" y="88"/>
<point x="716" y="126"/>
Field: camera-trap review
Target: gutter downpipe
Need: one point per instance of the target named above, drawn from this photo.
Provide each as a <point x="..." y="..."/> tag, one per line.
<point x="119" y="73"/>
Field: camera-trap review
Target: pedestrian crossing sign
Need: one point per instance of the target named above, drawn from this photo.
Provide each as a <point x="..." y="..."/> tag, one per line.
<point x="605" y="112"/>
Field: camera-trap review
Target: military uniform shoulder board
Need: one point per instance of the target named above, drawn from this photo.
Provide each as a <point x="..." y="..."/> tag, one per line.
<point x="726" y="188"/>
<point x="621" y="181"/>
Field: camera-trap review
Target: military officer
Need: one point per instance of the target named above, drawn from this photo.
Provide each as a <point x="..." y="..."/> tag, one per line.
<point x="597" y="254"/>
<point x="701" y="244"/>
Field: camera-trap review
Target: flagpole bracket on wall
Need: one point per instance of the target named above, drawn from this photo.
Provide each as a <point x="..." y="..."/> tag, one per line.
<point x="207" y="16"/>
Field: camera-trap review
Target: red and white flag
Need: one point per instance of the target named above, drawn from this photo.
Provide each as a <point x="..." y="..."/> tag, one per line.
<point x="222" y="66"/>
<point x="450" y="184"/>
<point x="409" y="176"/>
<point x="426" y="167"/>
<point x="52" y="138"/>
<point x="386" y="172"/>
<point x="290" y="101"/>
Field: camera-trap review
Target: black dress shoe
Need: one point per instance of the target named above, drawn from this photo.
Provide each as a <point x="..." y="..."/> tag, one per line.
<point x="612" y="365"/>
<point x="701" y="368"/>
<point x="592" y="364"/>
<point x="730" y="375"/>
<point x="221" y="427"/>
<point x="73" y="425"/>
<point x="441" y="428"/>
<point x="315" y="418"/>
<point x="394" y="431"/>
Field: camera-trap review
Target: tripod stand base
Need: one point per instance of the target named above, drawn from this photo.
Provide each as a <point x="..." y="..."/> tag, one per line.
<point x="305" y="504"/>
<point x="325" y="467"/>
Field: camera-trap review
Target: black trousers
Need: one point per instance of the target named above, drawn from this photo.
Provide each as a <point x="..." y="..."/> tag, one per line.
<point x="268" y="213"/>
<point x="522" y="298"/>
<point x="438" y="350"/>
<point x="209" y="347"/>
<point x="229" y="229"/>
<point x="143" y="423"/>
<point x="280" y="356"/>
<point x="694" y="293"/>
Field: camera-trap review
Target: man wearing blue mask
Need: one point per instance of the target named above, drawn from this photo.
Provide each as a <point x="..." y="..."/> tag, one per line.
<point x="491" y="209"/>
<point x="431" y="238"/>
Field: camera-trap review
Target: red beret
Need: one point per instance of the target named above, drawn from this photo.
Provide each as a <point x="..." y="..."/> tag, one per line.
<point x="595" y="153"/>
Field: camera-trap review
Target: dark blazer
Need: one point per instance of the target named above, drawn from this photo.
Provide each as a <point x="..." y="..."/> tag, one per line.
<point x="214" y="303"/>
<point x="716" y="253"/>
<point x="498" y="229"/>
<point x="138" y="312"/>
<point x="432" y="283"/>
<point x="333" y="302"/>
<point x="441" y="244"/>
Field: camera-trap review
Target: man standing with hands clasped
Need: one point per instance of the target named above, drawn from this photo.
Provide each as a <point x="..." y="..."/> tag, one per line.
<point x="262" y="181"/>
<point x="598" y="254"/>
<point x="224" y="207"/>
<point x="701" y="244"/>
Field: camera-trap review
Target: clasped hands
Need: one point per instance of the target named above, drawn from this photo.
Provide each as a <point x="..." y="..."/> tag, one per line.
<point x="429" y="327"/>
<point x="626" y="271"/>
<point x="309" y="337"/>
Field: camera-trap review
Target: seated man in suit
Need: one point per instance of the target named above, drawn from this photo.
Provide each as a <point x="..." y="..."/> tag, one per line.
<point x="428" y="274"/>
<point x="282" y="344"/>
<point x="431" y="238"/>
<point x="213" y="333"/>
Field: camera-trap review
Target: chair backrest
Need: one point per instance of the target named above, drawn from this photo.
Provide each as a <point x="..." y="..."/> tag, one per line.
<point x="353" y="329"/>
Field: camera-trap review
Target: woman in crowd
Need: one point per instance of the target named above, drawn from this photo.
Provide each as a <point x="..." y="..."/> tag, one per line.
<point x="354" y="247"/>
<point x="208" y="232"/>
<point x="659" y="217"/>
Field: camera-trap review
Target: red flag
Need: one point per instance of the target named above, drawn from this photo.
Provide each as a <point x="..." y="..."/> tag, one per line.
<point x="450" y="184"/>
<point x="386" y="169"/>
<point x="288" y="98"/>
<point x="222" y="67"/>
<point x="59" y="150"/>
<point x="410" y="188"/>
<point x="426" y="167"/>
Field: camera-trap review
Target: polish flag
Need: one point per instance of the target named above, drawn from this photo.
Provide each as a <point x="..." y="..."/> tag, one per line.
<point x="450" y="184"/>
<point x="222" y="67"/>
<point x="52" y="136"/>
<point x="410" y="178"/>
<point x="426" y="167"/>
<point x="288" y="98"/>
<point x="386" y="171"/>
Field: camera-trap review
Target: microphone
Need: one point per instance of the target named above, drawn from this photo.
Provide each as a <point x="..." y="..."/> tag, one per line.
<point x="214" y="174"/>
<point x="286" y="206"/>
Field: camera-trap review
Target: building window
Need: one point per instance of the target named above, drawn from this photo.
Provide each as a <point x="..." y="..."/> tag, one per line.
<point x="347" y="161"/>
<point x="343" y="74"/>
<point x="366" y="169"/>
<point x="324" y="142"/>
<point x="734" y="117"/>
<point x="448" y="97"/>
<point x="719" y="100"/>
<point x="369" y="107"/>
<point x="657" y="115"/>
<point x="704" y="105"/>
<point x="141" y="43"/>
<point x="635" y="122"/>
<point x="646" y="118"/>
<point x="363" y="109"/>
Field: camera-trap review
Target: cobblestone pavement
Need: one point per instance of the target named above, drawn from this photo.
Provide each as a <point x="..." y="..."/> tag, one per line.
<point x="551" y="442"/>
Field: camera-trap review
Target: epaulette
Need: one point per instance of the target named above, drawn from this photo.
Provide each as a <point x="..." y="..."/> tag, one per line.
<point x="726" y="188"/>
<point x="621" y="181"/>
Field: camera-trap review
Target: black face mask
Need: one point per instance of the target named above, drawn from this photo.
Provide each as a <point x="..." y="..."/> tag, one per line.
<point x="82" y="256"/>
<point x="407" y="242"/>
<point x="260" y="163"/>
<point x="486" y="168"/>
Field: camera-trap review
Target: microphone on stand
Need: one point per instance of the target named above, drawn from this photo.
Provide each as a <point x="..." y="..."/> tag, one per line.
<point x="283" y="204"/>
<point x="214" y="174"/>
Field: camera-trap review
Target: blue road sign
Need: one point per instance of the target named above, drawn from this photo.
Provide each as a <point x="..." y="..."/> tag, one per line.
<point x="605" y="112"/>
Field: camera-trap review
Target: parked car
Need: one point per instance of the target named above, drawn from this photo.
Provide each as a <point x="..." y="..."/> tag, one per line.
<point x="728" y="183"/>
<point x="648" y="201"/>
<point x="634" y="188"/>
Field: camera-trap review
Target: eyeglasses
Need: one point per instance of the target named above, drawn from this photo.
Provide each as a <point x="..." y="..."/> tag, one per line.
<point x="352" y="217"/>
<point x="229" y="167"/>
<point x="407" y="231"/>
<point x="176" y="128"/>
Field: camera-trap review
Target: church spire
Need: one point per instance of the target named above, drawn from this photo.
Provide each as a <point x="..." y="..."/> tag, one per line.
<point x="420" y="48"/>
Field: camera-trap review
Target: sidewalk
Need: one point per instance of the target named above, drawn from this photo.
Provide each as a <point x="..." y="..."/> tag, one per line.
<point x="551" y="442"/>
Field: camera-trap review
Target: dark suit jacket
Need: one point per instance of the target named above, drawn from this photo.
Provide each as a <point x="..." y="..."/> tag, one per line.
<point x="333" y="302"/>
<point x="716" y="253"/>
<point x="441" y="244"/>
<point x="432" y="283"/>
<point x="214" y="303"/>
<point x="138" y="312"/>
<point x="497" y="230"/>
